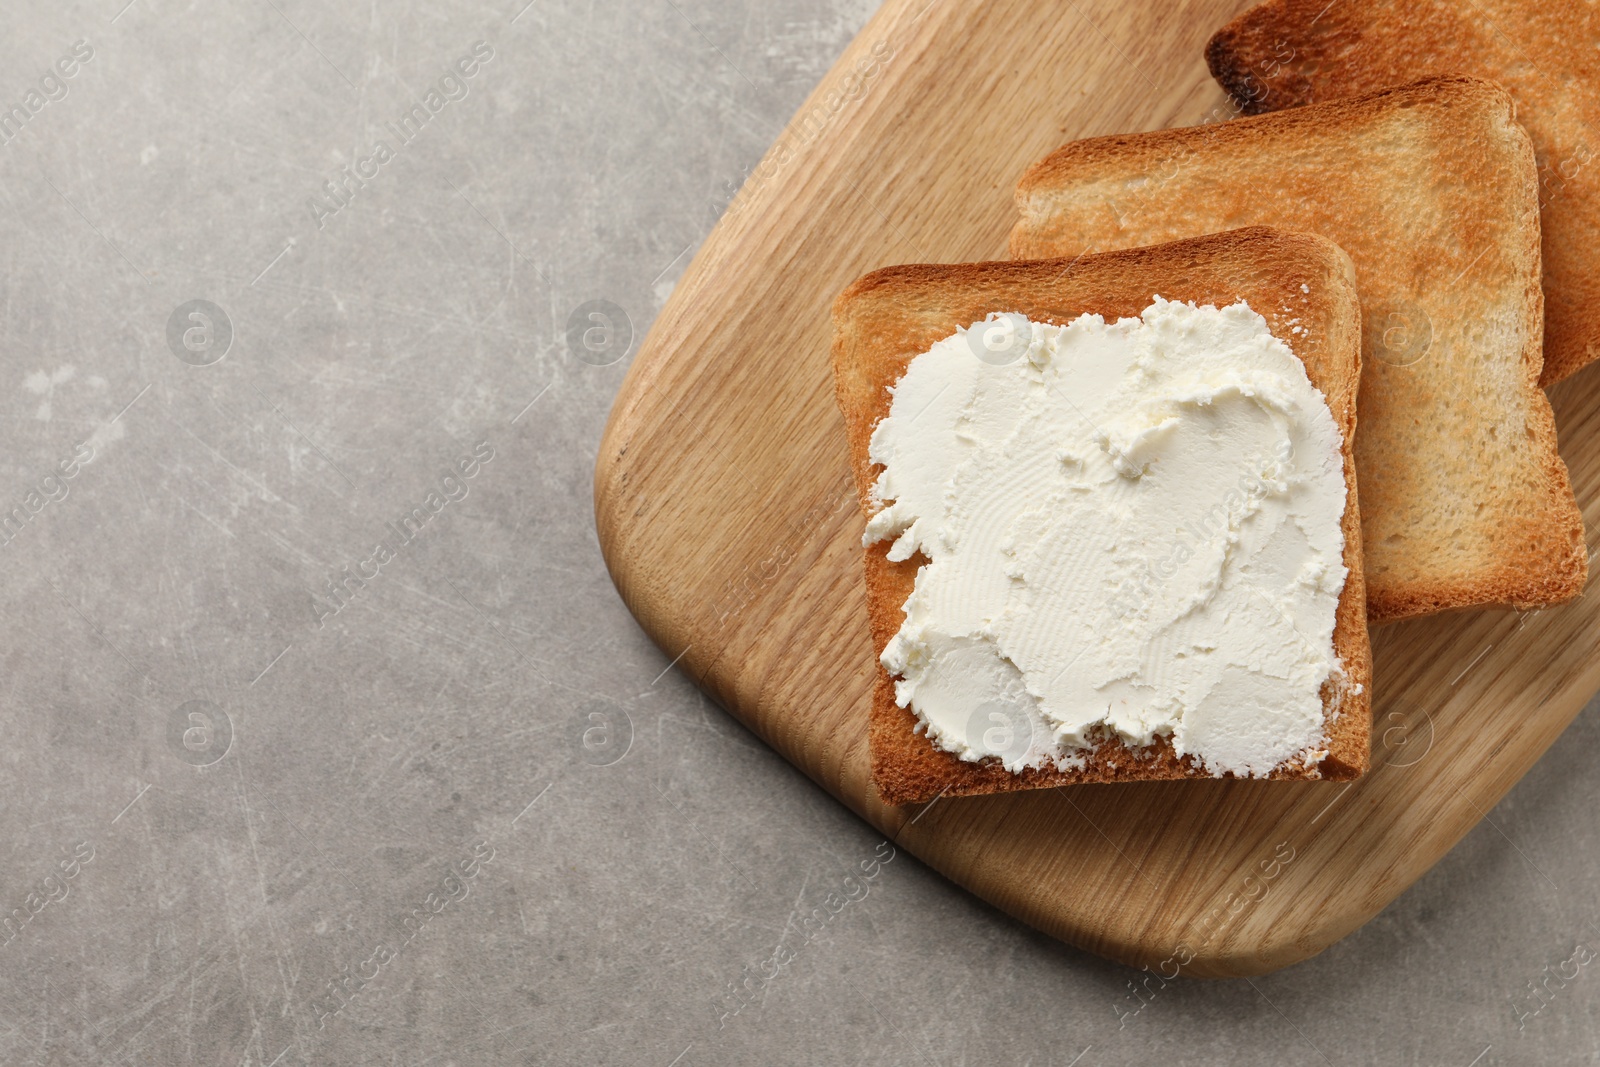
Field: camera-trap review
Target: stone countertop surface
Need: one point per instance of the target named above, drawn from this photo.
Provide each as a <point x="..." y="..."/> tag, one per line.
<point x="305" y="623"/>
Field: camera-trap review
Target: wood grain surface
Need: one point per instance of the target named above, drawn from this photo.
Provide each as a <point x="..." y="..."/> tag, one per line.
<point x="727" y="516"/>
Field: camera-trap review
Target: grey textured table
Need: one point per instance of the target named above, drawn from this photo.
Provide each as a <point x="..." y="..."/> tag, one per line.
<point x="326" y="739"/>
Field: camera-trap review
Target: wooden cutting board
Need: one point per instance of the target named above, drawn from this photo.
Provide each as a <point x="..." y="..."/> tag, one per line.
<point x="728" y="520"/>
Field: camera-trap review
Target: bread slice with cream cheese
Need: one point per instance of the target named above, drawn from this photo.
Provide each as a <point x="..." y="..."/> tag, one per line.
<point x="1301" y="284"/>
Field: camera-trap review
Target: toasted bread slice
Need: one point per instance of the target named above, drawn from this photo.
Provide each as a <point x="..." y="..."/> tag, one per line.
<point x="1431" y="190"/>
<point x="1292" y="52"/>
<point x="1301" y="284"/>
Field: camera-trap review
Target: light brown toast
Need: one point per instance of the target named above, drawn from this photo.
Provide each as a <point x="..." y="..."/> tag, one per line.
<point x="1431" y="190"/>
<point x="1292" y="52"/>
<point x="890" y="316"/>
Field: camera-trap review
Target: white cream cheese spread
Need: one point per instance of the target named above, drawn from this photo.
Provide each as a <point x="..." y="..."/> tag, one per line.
<point x="1131" y="529"/>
